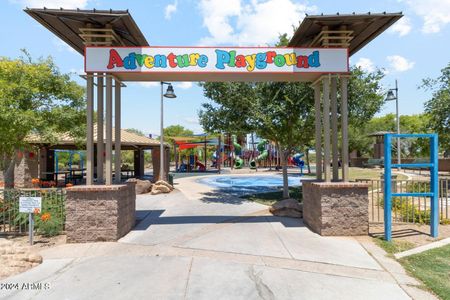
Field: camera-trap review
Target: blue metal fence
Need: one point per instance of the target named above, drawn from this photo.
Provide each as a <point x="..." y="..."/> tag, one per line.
<point x="434" y="183"/>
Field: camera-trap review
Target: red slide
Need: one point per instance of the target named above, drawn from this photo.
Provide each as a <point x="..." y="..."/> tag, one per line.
<point x="201" y="167"/>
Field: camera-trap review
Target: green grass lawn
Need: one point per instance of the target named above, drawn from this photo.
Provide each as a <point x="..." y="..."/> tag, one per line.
<point x="270" y="198"/>
<point x="368" y="173"/>
<point x="432" y="267"/>
<point x="393" y="246"/>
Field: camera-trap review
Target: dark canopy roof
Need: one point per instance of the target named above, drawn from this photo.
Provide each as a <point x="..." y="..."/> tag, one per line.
<point x="365" y="28"/>
<point x="66" y="24"/>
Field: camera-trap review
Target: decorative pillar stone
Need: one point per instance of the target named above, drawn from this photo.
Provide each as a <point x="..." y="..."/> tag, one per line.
<point x="336" y="208"/>
<point x="99" y="213"/>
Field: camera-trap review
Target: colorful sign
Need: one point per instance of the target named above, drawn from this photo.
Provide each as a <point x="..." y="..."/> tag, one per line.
<point x="31" y="205"/>
<point x="216" y="60"/>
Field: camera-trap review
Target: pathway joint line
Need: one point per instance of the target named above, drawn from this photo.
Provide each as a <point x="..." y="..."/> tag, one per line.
<point x="422" y="248"/>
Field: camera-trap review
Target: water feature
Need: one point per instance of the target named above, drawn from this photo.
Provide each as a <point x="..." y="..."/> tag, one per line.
<point x="248" y="184"/>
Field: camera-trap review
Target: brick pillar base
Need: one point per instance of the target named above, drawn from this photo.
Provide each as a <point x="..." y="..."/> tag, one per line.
<point x="336" y="208"/>
<point x="99" y="213"/>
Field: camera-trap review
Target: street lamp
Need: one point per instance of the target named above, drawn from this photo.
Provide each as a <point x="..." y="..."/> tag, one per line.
<point x="169" y="94"/>
<point x="391" y="97"/>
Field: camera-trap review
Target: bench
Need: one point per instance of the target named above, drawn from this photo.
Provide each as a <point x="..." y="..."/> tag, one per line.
<point x="373" y="162"/>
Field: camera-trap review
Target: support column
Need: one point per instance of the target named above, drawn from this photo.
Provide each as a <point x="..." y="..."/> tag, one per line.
<point x="117" y="136"/>
<point x="334" y="129"/>
<point x="100" y="124"/>
<point x="90" y="129"/>
<point x="326" y="127"/>
<point x="108" y="137"/>
<point x="344" y="118"/>
<point x="318" y="125"/>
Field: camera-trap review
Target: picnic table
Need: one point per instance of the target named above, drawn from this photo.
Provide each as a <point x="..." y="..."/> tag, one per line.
<point x="76" y="175"/>
<point x="56" y="174"/>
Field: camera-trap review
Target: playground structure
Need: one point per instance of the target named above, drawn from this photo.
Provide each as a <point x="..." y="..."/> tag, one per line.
<point x="203" y="153"/>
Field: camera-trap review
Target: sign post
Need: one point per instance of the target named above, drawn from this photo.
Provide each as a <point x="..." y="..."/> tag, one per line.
<point x="30" y="205"/>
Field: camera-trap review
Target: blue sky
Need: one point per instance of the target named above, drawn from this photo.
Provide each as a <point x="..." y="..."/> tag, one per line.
<point x="415" y="48"/>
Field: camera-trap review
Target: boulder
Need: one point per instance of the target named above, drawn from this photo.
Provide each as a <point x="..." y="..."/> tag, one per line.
<point x="164" y="183"/>
<point x="287" y="208"/>
<point x="34" y="258"/>
<point x="158" y="189"/>
<point x="142" y="186"/>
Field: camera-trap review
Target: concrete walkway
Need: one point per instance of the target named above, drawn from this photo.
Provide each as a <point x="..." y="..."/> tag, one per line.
<point x="196" y="243"/>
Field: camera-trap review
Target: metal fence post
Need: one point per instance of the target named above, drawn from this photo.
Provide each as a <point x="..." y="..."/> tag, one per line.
<point x="387" y="188"/>
<point x="434" y="186"/>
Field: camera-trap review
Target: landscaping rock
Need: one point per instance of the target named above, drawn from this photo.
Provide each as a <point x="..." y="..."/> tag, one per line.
<point x="142" y="186"/>
<point x="34" y="258"/>
<point x="165" y="183"/>
<point x="161" y="187"/>
<point x="16" y="258"/>
<point x="287" y="208"/>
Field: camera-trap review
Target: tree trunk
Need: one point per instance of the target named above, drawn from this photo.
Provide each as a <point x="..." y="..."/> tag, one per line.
<point x="307" y="160"/>
<point x="8" y="171"/>
<point x="283" y="157"/>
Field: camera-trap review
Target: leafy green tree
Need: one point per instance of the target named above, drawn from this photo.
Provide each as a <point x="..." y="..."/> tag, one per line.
<point x="36" y="98"/>
<point x="408" y="124"/>
<point x="135" y="131"/>
<point x="177" y="130"/>
<point x="439" y="107"/>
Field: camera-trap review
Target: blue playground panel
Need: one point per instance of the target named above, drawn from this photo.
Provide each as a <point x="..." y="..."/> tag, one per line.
<point x="433" y="194"/>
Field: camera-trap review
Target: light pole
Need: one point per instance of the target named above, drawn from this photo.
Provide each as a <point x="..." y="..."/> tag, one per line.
<point x="390" y="97"/>
<point x="169" y="94"/>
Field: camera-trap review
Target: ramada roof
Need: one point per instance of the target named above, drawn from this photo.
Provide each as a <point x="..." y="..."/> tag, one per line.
<point x="129" y="140"/>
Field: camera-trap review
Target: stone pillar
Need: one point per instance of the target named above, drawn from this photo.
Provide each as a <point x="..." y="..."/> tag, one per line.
<point x="336" y="208"/>
<point x="99" y="213"/>
<point x="26" y="168"/>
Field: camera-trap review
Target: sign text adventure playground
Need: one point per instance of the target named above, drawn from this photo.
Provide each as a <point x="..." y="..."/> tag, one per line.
<point x="216" y="60"/>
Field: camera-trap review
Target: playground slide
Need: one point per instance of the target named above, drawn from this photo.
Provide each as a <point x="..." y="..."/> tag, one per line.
<point x="201" y="167"/>
<point x="296" y="159"/>
<point x="238" y="162"/>
<point x="263" y="153"/>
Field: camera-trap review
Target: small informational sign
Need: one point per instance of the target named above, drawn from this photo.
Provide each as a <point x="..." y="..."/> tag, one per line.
<point x="31" y="205"/>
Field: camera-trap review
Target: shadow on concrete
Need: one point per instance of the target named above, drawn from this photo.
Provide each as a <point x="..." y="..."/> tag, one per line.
<point x="225" y="196"/>
<point x="154" y="217"/>
<point x="399" y="233"/>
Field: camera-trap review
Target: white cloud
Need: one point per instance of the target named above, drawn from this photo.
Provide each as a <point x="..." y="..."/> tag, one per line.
<point x="191" y="120"/>
<point x="184" y="85"/>
<point x="170" y="9"/>
<point x="68" y="4"/>
<point x="252" y="23"/>
<point x="77" y="72"/>
<point x="366" y="64"/>
<point x="149" y="84"/>
<point x="402" y="27"/>
<point x="435" y="13"/>
<point x="62" y="46"/>
<point x="399" y="63"/>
